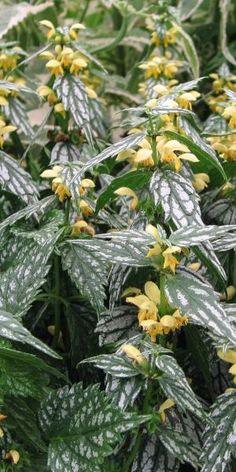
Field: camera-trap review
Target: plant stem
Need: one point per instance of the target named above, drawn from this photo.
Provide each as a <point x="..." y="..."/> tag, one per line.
<point x="153" y="142"/>
<point x="57" y="310"/>
<point x="83" y="14"/>
<point x="164" y="305"/>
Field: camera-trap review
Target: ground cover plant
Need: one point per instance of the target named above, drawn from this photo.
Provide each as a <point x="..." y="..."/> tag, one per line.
<point x="118" y="236"/>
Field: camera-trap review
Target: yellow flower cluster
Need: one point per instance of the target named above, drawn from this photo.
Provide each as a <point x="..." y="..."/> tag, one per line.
<point x="218" y="97"/>
<point x="63" y="192"/>
<point x="166" y="37"/>
<point x="225" y="146"/>
<point x="148" y="315"/>
<point x="161" y="66"/>
<point x="8" y="60"/>
<point x="59" y="35"/>
<point x="201" y="181"/>
<point x="167" y="260"/>
<point x="4" y="131"/>
<point x="169" y="152"/>
<point x="230" y="115"/>
<point x="64" y="59"/>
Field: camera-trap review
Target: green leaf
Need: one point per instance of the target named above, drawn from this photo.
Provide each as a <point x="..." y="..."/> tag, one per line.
<point x="202" y="151"/>
<point x="82" y="427"/>
<point x="176" y="195"/>
<point x="19" y="379"/>
<point x="187" y="44"/>
<point x="219" y="436"/>
<point x="28" y="360"/>
<point x="118" y="326"/>
<point x="12" y="329"/>
<point x="197" y="234"/>
<point x="71" y="91"/>
<point x="134" y="180"/>
<point x="87" y="270"/>
<point x="64" y="152"/>
<point x="224" y="11"/>
<point x="196" y="298"/>
<point x="175" y="385"/>
<point x="23" y="424"/>
<point x="15" y="180"/>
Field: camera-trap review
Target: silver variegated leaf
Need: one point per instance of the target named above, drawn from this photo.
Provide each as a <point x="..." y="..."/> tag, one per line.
<point x="88" y="270"/>
<point x="116" y="365"/>
<point x="21" y="281"/>
<point x="123" y="391"/>
<point x="153" y="456"/>
<point x="97" y="118"/>
<point x="197" y="299"/>
<point x="117" y="279"/>
<point x="180" y="445"/>
<point x="118" y="326"/>
<point x="225" y="243"/>
<point x="220" y="435"/>
<point x="194" y="234"/>
<point x="175" y="385"/>
<point x="30" y="210"/>
<point x="124" y="247"/>
<point x="114" y="149"/>
<point x="82" y="426"/>
<point x="12" y="329"/>
<point x="71" y="91"/>
<point x="16" y="180"/>
<point x="176" y="195"/>
<point x="205" y="253"/>
<point x="64" y="152"/>
<point x="18" y="116"/>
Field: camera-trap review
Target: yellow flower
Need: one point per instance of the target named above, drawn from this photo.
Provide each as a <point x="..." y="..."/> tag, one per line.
<point x="169" y="403"/>
<point x="78" y="64"/>
<point x="58" y="187"/>
<point x="156" y="249"/>
<point x="186" y="99"/>
<point x="73" y="31"/>
<point x="82" y="226"/>
<point x="151" y="103"/>
<point x="227" y="356"/>
<point x="170" y="261"/>
<point x="90" y="92"/>
<point x="168" y="38"/>
<point x="230" y="112"/>
<point x="49" y="25"/>
<point x="133" y="353"/>
<point x="55" y="67"/>
<point x="8" y="61"/>
<point x="168" y="154"/>
<point x="161" y="89"/>
<point x="144" y="155"/>
<point x="128" y="192"/>
<point x="48" y="93"/>
<point x="180" y="320"/>
<point x="232" y="369"/>
<point x="147" y="303"/>
<point x="12" y="456"/>
<point x="65" y="56"/>
<point x="85" y="208"/>
<point x="194" y="266"/>
<point x="153" y="328"/>
<point x="4" y="131"/>
<point x="201" y="181"/>
<point x="59" y="108"/>
<point x="85" y="185"/>
<point x="230" y="293"/>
